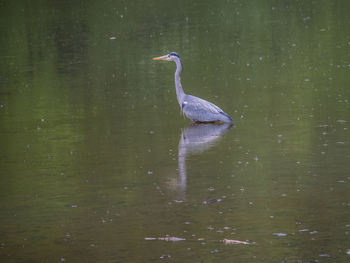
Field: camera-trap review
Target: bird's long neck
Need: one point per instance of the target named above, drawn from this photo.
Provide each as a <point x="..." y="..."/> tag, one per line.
<point x="179" y="91"/>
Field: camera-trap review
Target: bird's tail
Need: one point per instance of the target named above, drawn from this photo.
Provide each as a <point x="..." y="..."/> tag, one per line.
<point x="226" y="118"/>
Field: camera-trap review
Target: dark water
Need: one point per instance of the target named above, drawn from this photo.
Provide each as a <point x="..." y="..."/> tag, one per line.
<point x="96" y="158"/>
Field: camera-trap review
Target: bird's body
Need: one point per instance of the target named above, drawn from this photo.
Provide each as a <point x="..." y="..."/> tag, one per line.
<point x="199" y="110"/>
<point x="196" y="109"/>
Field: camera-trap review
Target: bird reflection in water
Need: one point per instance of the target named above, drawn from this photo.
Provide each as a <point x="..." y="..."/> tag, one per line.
<point x="196" y="139"/>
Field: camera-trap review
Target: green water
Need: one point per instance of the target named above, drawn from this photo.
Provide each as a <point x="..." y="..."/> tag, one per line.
<point x="96" y="158"/>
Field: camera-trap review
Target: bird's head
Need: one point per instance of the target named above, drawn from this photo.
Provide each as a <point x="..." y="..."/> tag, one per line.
<point x="170" y="57"/>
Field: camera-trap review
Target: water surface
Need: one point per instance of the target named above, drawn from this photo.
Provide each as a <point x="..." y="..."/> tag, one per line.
<point x="97" y="160"/>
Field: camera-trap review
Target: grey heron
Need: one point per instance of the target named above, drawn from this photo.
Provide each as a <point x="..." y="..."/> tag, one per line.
<point x="196" y="109"/>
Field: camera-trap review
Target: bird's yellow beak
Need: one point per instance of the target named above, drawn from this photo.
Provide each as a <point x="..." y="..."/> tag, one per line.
<point x="161" y="58"/>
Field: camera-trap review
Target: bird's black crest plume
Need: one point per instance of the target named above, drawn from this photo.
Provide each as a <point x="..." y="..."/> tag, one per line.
<point x="174" y="54"/>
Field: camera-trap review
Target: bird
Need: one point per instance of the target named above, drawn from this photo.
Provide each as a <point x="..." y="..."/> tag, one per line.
<point x="196" y="109"/>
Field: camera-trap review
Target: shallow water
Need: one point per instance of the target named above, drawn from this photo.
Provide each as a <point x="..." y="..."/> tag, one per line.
<point x="98" y="164"/>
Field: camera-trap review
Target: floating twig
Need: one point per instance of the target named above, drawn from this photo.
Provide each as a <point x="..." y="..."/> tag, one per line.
<point x="234" y="242"/>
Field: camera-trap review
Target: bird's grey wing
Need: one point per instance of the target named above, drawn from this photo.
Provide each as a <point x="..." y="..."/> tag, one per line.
<point x="200" y="104"/>
<point x="198" y="109"/>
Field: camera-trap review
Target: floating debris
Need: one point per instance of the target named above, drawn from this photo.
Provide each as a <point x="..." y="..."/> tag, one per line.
<point x="280" y="234"/>
<point x="150" y="238"/>
<point x="234" y="242"/>
<point x="211" y="201"/>
<point x="165" y="256"/>
<point x="341" y="121"/>
<point x="177" y="239"/>
<point x="171" y="239"/>
<point x="112" y="38"/>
